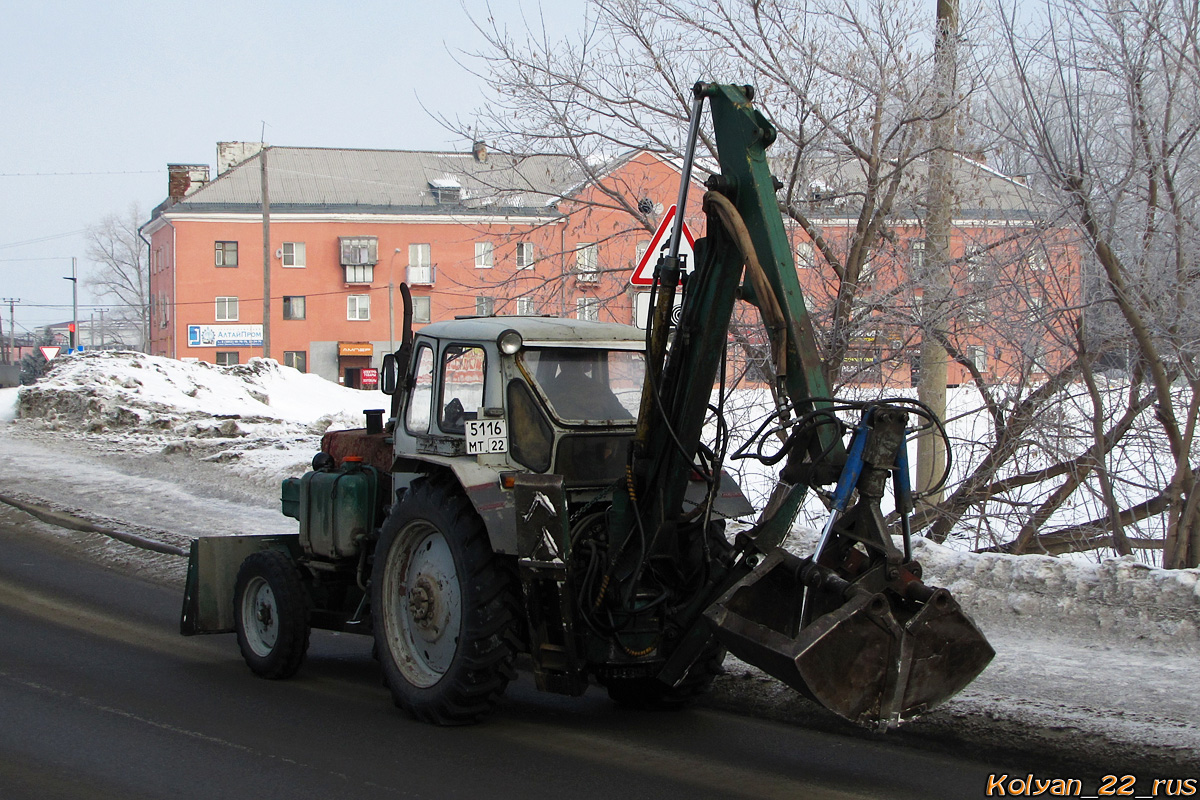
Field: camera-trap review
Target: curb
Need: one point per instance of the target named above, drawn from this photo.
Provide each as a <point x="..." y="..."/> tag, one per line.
<point x="71" y="522"/>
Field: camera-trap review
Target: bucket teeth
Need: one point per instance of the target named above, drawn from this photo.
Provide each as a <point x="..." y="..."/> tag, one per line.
<point x="874" y="659"/>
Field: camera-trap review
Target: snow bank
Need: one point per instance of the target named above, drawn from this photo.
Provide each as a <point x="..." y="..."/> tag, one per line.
<point x="263" y="422"/>
<point x="1118" y="598"/>
<point x="8" y="404"/>
<point x="262" y="418"/>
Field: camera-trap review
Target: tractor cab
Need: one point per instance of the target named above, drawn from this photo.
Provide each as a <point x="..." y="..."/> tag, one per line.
<point x="528" y="394"/>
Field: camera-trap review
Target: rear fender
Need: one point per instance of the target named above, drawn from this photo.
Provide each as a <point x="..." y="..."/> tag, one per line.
<point x="480" y="484"/>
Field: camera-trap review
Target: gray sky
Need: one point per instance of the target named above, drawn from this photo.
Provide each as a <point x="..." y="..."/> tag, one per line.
<point x="98" y="98"/>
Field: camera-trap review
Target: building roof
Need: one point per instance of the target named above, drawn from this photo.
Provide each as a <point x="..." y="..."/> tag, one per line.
<point x="541" y="331"/>
<point x="981" y="193"/>
<point x="386" y="181"/>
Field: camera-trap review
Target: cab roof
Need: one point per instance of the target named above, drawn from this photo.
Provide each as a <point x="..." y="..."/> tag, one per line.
<point x="540" y="331"/>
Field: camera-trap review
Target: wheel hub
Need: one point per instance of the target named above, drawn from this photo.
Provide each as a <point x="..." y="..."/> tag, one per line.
<point x="426" y="608"/>
<point x="265" y="615"/>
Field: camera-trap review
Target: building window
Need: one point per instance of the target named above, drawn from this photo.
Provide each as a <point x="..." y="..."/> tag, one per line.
<point x="164" y="306"/>
<point x="526" y="307"/>
<point x="1036" y="258"/>
<point x="977" y="355"/>
<point x="1037" y="308"/>
<point x="226" y="254"/>
<point x="359" y="250"/>
<point x="587" y="308"/>
<point x="977" y="269"/>
<point x="446" y="190"/>
<point x="524" y="255"/>
<point x="916" y="256"/>
<point x="227" y="358"/>
<point x="586" y="262"/>
<point x="296" y="359"/>
<point x="227" y="309"/>
<point x="293" y="254"/>
<point x="483" y="255"/>
<point x="804" y="255"/>
<point x="484" y="306"/>
<point x="420" y="270"/>
<point x="360" y="273"/>
<point x="976" y="311"/>
<point x="293" y="307"/>
<point x="358" y="306"/>
<point x="421" y="309"/>
<point x="640" y="251"/>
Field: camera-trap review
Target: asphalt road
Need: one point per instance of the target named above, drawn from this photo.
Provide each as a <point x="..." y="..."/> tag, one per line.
<point x="100" y="697"/>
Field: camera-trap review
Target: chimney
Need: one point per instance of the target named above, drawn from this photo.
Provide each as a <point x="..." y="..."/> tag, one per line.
<point x="230" y="154"/>
<point x="184" y="179"/>
<point x="479" y="150"/>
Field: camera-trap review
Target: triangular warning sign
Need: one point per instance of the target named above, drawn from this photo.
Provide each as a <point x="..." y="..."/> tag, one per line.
<point x="644" y="274"/>
<point x="49" y="351"/>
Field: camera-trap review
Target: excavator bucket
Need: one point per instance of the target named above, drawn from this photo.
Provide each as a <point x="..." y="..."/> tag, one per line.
<point x="877" y="659"/>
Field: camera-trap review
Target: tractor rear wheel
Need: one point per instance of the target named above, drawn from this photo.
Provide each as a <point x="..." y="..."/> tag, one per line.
<point x="444" y="607"/>
<point x="271" y="608"/>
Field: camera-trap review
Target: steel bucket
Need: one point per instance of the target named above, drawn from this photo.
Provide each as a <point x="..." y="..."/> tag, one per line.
<point x="877" y="659"/>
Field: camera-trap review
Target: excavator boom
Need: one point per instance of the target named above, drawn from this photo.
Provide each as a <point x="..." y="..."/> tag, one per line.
<point x="851" y="624"/>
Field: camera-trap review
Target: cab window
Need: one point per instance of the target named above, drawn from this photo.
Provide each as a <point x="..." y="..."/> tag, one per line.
<point x="420" y="399"/>
<point x="463" y="370"/>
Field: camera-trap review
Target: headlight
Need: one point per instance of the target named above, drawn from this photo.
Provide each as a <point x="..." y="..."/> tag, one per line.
<point x="509" y="342"/>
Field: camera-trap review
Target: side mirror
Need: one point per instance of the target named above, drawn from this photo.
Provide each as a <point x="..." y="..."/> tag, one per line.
<point x="389" y="378"/>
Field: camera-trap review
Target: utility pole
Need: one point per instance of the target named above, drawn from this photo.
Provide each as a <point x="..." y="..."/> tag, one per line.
<point x="74" y="279"/>
<point x="266" y="221"/>
<point x="10" y="353"/>
<point x="936" y="289"/>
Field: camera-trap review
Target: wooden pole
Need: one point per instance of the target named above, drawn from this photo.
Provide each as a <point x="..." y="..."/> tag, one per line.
<point x="936" y="287"/>
<point x="266" y="223"/>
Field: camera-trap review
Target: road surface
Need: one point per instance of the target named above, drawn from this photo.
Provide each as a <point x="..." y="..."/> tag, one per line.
<point x="100" y="697"/>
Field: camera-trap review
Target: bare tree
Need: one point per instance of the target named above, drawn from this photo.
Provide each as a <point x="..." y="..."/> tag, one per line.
<point x="121" y="274"/>
<point x="1105" y="100"/>
<point x="851" y="87"/>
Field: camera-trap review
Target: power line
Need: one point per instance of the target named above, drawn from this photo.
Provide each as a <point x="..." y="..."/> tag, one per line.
<point x="41" y="258"/>
<point x="69" y="174"/>
<point x="36" y="241"/>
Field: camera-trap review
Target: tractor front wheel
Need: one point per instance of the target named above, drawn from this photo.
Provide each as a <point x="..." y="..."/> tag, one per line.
<point x="271" y="608"/>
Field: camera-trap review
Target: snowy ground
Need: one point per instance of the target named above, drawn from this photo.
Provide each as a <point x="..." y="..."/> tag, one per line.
<point x="1100" y="661"/>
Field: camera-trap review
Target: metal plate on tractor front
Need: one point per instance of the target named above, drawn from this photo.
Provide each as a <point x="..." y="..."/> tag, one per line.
<point x="212" y="573"/>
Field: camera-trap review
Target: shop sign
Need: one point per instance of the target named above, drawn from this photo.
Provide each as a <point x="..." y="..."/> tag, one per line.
<point x="225" y="335"/>
<point x="355" y="349"/>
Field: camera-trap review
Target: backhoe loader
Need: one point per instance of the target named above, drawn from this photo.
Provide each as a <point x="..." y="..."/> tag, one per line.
<point x="547" y="487"/>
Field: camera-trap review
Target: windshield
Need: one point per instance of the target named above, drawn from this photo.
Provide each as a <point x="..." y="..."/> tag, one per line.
<point x="588" y="384"/>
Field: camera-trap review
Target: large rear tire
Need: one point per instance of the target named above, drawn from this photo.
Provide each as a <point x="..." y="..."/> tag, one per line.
<point x="444" y="607"/>
<point x="271" y="608"/>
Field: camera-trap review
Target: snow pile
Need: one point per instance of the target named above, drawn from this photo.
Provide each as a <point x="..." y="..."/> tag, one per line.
<point x="265" y="418"/>
<point x="8" y="404"/>
<point x="1119" y="597"/>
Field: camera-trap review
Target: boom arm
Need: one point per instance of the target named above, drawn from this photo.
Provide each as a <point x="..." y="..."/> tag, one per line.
<point x="851" y="625"/>
<point x="745" y="228"/>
